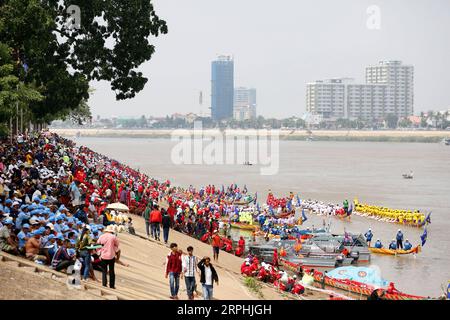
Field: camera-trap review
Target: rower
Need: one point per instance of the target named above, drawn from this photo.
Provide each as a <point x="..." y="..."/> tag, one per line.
<point x="369" y="236"/>
<point x="378" y="244"/>
<point x="407" y="245"/>
<point x="393" y="245"/>
<point x="399" y="239"/>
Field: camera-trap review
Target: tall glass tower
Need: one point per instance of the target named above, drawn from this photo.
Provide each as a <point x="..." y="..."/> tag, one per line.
<point x="222" y="88"/>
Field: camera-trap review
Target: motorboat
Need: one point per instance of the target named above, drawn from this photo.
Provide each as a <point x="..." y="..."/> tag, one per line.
<point x="409" y="175"/>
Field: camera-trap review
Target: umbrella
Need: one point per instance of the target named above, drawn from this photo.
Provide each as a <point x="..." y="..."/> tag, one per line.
<point x="118" y="206"/>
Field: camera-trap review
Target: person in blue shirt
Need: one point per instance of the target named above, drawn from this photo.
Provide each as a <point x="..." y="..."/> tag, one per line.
<point x="81" y="215"/>
<point x="23" y="236"/>
<point x="378" y="244"/>
<point x="7" y="206"/>
<point x="369" y="236"/>
<point x="23" y="216"/>
<point x="407" y="245"/>
<point x="399" y="239"/>
<point x="393" y="245"/>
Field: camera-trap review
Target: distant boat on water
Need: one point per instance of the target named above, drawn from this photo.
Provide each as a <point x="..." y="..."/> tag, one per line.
<point x="447" y="141"/>
<point x="409" y="175"/>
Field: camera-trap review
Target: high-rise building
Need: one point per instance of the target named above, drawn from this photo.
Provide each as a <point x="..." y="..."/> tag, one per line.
<point x="222" y="88"/>
<point x="244" y="103"/>
<point x="400" y="81"/>
<point x="389" y="89"/>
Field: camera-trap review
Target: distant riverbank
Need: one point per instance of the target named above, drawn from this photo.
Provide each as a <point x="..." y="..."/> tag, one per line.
<point x="318" y="135"/>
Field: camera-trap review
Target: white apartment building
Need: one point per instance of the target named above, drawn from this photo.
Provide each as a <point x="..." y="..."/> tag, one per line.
<point x="389" y="88"/>
<point x="244" y="103"/>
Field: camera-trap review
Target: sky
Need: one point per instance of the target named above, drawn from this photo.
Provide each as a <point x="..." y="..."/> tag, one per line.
<point x="280" y="46"/>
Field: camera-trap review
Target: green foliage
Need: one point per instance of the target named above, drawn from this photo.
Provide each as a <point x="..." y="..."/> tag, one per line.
<point x="254" y="286"/>
<point x="112" y="42"/>
<point x="391" y="121"/>
<point x="13" y="92"/>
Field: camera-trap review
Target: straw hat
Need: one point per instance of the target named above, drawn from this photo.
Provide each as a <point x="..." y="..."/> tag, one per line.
<point x="109" y="228"/>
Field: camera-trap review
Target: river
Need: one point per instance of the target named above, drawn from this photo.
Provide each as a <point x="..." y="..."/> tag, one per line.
<point x="333" y="171"/>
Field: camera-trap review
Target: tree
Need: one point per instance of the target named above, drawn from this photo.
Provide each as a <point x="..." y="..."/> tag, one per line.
<point x="111" y="43"/>
<point x="405" y="123"/>
<point x="13" y="92"/>
<point x="391" y="120"/>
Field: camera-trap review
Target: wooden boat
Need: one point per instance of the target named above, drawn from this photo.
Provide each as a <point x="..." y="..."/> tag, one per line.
<point x="243" y="226"/>
<point x="414" y="250"/>
<point x="361" y="288"/>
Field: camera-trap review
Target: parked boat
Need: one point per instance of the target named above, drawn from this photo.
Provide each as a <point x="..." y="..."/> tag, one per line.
<point x="447" y="142"/>
<point x="356" y="245"/>
<point x="361" y="288"/>
<point x="414" y="250"/>
<point x="243" y="226"/>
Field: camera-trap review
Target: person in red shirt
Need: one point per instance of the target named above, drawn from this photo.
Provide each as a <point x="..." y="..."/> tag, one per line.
<point x="173" y="270"/>
<point x="155" y="221"/>
<point x="241" y="243"/>
<point x="215" y="242"/>
<point x="171" y="211"/>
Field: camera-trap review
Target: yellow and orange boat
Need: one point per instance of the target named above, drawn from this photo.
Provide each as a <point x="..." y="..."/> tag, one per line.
<point x="414" y="250"/>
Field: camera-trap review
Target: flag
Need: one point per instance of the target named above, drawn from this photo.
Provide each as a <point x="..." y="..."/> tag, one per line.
<point x="245" y="188"/>
<point x="256" y="198"/>
<point x="298" y="200"/>
<point x="289" y="205"/>
<point x="258" y="209"/>
<point x="424" y="236"/>
<point x="271" y="210"/>
<point x="304" y="217"/>
<point x="427" y="220"/>
<point x="350" y="210"/>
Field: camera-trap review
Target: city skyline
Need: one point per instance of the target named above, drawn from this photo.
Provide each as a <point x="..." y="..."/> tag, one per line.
<point x="307" y="43"/>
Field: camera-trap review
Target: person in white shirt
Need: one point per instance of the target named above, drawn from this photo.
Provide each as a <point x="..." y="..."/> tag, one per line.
<point x="189" y="265"/>
<point x="208" y="276"/>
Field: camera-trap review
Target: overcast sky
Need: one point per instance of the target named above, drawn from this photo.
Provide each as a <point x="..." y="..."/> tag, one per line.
<point x="279" y="46"/>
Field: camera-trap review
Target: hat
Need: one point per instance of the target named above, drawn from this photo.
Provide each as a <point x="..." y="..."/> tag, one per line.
<point x="62" y="207"/>
<point x="37" y="232"/>
<point x="8" y="221"/>
<point x="26" y="225"/>
<point x="50" y="237"/>
<point x="109" y="228"/>
<point x="16" y="203"/>
<point x="8" y="201"/>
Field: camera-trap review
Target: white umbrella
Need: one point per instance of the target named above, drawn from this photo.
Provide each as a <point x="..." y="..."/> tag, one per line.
<point x="118" y="206"/>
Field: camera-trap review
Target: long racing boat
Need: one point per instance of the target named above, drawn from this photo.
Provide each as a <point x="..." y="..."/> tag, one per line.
<point x="414" y="250"/>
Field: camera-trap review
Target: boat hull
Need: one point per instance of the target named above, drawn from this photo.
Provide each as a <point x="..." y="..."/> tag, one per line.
<point x="243" y="226"/>
<point x="414" y="250"/>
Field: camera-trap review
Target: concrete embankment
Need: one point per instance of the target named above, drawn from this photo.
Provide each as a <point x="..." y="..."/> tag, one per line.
<point x="319" y="135"/>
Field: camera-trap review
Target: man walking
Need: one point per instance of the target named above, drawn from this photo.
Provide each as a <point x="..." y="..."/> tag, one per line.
<point x="146" y="217"/>
<point x="208" y="276"/>
<point x="189" y="269"/>
<point x="155" y="220"/>
<point x="173" y="270"/>
<point x="215" y="243"/>
<point x="108" y="255"/>
<point x="166" y="225"/>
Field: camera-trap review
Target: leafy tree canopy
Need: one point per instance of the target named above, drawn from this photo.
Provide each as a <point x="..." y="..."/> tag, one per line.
<point x="112" y="41"/>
